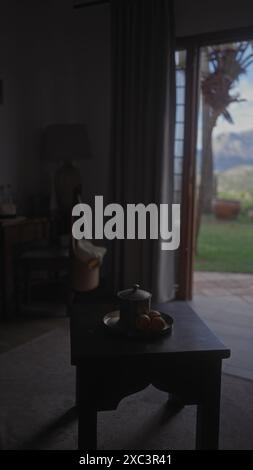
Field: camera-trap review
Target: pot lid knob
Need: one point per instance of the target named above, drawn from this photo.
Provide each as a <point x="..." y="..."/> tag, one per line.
<point x="135" y="287"/>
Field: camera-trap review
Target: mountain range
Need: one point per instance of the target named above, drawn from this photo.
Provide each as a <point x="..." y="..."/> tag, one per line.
<point x="233" y="149"/>
<point x="237" y="180"/>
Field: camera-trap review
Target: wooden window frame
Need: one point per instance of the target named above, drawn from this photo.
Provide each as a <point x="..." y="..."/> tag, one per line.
<point x="186" y="255"/>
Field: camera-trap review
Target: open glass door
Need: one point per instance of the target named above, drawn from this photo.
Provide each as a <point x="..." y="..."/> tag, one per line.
<point x="190" y="81"/>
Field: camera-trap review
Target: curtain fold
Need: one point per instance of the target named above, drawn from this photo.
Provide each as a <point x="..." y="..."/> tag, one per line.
<point x="143" y="94"/>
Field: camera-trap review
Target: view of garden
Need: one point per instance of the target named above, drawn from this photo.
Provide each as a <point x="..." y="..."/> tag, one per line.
<point x="225" y="161"/>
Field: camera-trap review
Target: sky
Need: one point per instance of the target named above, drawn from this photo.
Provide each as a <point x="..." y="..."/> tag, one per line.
<point x="242" y="113"/>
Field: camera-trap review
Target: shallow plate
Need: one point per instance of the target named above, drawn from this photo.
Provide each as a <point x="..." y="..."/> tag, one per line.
<point x="112" y="322"/>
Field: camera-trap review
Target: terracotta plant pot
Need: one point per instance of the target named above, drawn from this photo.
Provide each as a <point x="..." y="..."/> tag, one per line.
<point x="226" y="209"/>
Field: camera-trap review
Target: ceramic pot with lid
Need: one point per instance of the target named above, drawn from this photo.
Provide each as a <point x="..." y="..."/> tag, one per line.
<point x="133" y="302"/>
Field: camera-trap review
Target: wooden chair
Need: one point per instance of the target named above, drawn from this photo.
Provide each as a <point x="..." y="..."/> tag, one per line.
<point x="37" y="259"/>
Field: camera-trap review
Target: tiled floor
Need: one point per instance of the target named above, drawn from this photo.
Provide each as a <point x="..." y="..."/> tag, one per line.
<point x="225" y="303"/>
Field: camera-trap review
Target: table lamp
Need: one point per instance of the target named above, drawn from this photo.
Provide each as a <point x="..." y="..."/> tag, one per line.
<point x="64" y="144"/>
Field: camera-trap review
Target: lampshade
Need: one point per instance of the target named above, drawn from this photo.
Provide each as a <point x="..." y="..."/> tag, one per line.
<point x="65" y="142"/>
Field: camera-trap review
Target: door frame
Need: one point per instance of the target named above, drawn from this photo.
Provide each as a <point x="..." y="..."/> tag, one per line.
<point x="188" y="203"/>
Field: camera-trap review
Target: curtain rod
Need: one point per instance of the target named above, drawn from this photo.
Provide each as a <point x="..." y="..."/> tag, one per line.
<point x="90" y="4"/>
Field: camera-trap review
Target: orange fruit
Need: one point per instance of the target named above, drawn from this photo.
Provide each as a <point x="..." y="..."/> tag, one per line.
<point x="157" y="323"/>
<point x="154" y="313"/>
<point x="143" y="322"/>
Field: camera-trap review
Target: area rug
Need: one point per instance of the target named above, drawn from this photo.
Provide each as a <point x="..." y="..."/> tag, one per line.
<point x="37" y="398"/>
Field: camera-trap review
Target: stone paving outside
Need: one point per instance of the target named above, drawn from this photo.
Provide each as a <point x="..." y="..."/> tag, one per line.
<point x="212" y="284"/>
<point x="224" y="301"/>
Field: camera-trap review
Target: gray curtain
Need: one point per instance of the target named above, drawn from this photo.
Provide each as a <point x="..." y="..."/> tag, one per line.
<point x="143" y="93"/>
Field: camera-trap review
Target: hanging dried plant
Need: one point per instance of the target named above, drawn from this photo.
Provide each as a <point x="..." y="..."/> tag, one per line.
<point x="227" y="64"/>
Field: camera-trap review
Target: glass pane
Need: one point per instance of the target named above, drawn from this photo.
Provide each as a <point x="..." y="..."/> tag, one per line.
<point x="179" y="131"/>
<point x="180" y="95"/>
<point x="179" y="125"/>
<point x="177" y="182"/>
<point x="180" y="78"/>
<point x="180" y="113"/>
<point x="177" y="197"/>
<point x="179" y="148"/>
<point x="180" y="59"/>
<point x="178" y="166"/>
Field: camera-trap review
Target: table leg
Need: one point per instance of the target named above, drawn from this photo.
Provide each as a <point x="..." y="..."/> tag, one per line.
<point x="208" y="411"/>
<point x="77" y="386"/>
<point x="27" y="278"/>
<point x="87" y="416"/>
<point x="87" y="427"/>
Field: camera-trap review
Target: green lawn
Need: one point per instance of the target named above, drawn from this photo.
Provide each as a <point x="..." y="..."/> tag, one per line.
<point x="225" y="246"/>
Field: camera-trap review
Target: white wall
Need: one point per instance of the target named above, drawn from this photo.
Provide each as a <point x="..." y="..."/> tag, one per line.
<point x="202" y="16"/>
<point x="9" y="135"/>
<point x="55" y="64"/>
<point x="93" y="90"/>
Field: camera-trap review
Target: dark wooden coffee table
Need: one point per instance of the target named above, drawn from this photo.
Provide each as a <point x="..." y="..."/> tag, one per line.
<point x="186" y="364"/>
